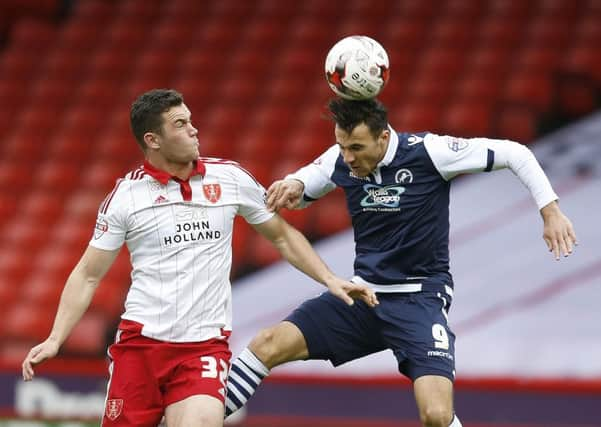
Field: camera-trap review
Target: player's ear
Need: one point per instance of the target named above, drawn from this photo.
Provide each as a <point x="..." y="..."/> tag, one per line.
<point x="151" y="140"/>
<point x="384" y="135"/>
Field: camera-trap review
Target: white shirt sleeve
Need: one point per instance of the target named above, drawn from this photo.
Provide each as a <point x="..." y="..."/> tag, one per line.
<point x="317" y="176"/>
<point x="252" y="200"/>
<point x="111" y="222"/>
<point x="453" y="156"/>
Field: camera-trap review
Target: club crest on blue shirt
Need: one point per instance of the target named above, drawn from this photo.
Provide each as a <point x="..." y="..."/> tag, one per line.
<point x="403" y="176"/>
<point x="457" y="144"/>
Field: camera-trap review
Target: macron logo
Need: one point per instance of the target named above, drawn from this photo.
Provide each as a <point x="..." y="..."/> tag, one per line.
<point x="160" y="199"/>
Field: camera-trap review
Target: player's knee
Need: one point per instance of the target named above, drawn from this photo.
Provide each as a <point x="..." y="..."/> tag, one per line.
<point x="279" y="344"/>
<point x="266" y="347"/>
<point x="436" y="416"/>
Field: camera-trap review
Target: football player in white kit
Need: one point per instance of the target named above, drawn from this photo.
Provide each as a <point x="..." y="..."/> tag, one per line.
<point x="175" y="213"/>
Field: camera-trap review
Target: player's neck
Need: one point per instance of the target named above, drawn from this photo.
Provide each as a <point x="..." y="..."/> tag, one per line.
<point x="179" y="170"/>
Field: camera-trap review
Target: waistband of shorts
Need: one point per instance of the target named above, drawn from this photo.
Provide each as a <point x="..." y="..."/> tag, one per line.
<point x="413" y="284"/>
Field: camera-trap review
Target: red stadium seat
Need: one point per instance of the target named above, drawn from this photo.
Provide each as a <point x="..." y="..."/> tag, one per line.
<point x="17" y="65"/>
<point x="468" y="118"/>
<point x="263" y="33"/>
<point x="431" y="87"/>
<point x="90" y="11"/>
<point x="57" y="177"/>
<point x="329" y="215"/>
<point x="72" y="231"/>
<point x="509" y="10"/>
<point x="452" y="33"/>
<point x="158" y="63"/>
<point x="43" y="206"/>
<point x="515" y="122"/>
<point x="110" y="64"/>
<point x="14" y="265"/>
<point x="478" y="87"/>
<point x="32" y="35"/>
<point x="547" y="32"/>
<point x="577" y="94"/>
<point x="88" y="336"/>
<point x="8" y="206"/>
<point x="260" y="251"/>
<point x="530" y="88"/>
<point x="583" y="58"/>
<point x="417" y="115"/>
<point x="538" y="59"/>
<point x="31" y="322"/>
<point x="79" y="36"/>
<point x="38" y="289"/>
<point x="497" y="32"/>
<point x="138" y="10"/>
<point x="53" y="95"/>
<point x="125" y="35"/>
<point x="14" y="177"/>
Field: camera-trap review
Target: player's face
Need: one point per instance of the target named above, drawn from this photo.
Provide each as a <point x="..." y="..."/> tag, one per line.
<point x="178" y="139"/>
<point x="360" y="150"/>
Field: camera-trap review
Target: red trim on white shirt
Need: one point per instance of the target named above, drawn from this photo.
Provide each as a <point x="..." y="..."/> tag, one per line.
<point x="107" y="201"/>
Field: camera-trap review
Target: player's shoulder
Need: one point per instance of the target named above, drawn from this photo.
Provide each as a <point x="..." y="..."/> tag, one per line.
<point x="226" y="169"/>
<point x="413" y="140"/>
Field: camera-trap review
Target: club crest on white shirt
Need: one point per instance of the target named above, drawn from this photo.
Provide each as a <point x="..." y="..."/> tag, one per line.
<point x="212" y="192"/>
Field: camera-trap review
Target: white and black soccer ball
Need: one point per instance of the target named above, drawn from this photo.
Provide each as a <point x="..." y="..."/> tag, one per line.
<point x="357" y="68"/>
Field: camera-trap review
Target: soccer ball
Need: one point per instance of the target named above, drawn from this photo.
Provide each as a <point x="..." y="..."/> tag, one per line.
<point x="357" y="68"/>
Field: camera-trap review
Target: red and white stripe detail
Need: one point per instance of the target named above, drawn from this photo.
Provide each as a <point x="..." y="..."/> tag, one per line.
<point x="107" y="201"/>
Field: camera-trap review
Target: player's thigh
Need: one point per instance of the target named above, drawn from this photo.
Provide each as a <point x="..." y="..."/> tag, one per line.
<point x="278" y="344"/>
<point x="133" y="395"/>
<point x="416" y="329"/>
<point x="195" y="411"/>
<point x="434" y="397"/>
<point x="335" y="331"/>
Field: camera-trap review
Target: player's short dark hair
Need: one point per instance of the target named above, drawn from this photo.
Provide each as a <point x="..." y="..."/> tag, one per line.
<point x="349" y="114"/>
<point x="145" y="114"/>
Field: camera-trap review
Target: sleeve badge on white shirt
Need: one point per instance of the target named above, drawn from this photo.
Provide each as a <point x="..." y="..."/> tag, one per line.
<point x="457" y="144"/>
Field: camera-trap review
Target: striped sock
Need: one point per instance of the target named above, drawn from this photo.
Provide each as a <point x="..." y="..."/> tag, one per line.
<point x="246" y="373"/>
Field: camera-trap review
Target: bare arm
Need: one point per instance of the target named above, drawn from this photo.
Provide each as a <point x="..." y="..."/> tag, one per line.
<point x="558" y="231"/>
<point x="75" y="300"/>
<point x="297" y="250"/>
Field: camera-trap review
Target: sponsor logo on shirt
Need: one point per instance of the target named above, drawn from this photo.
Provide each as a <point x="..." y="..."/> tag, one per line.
<point x="387" y="197"/>
<point x="438" y="353"/>
<point x="364" y="178"/>
<point x="189" y="232"/>
<point x="160" y="199"/>
<point x="414" y="139"/>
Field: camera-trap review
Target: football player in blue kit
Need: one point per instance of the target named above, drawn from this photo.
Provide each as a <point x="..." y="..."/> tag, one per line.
<point x="397" y="193"/>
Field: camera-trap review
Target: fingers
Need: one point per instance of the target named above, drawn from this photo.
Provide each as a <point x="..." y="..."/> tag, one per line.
<point x="561" y="244"/>
<point x="27" y="367"/>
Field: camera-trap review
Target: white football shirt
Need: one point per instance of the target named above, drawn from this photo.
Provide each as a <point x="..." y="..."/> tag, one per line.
<point x="179" y="235"/>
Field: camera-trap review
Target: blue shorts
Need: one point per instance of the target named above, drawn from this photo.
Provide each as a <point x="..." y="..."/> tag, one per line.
<point x="413" y="325"/>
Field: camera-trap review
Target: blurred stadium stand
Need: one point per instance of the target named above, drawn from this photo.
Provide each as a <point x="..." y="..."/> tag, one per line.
<point x="252" y="74"/>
